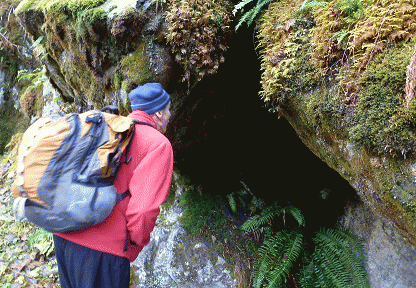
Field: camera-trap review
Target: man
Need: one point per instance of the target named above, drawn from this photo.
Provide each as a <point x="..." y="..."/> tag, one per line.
<point x="99" y="256"/>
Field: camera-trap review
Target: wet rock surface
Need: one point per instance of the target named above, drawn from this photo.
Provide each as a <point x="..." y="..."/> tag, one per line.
<point x="391" y="258"/>
<point x="175" y="259"/>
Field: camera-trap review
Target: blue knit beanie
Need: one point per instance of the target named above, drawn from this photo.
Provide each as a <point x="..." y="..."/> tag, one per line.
<point x="149" y="98"/>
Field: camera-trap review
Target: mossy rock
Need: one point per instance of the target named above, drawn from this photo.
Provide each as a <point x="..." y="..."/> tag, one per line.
<point x="381" y="120"/>
<point x="338" y="72"/>
<point x="31" y="100"/>
<point x="135" y="68"/>
<point x="89" y="54"/>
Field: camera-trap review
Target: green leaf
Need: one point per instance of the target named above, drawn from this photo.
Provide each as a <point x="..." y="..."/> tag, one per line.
<point x="261" y="219"/>
<point x="341" y="35"/>
<point x="252" y="14"/>
<point x="311" y="4"/>
<point x="277" y="256"/>
<point x="232" y="202"/>
<point x="57" y="99"/>
<point x="37" y="42"/>
<point x="241" y="5"/>
<point x="340" y="259"/>
<point x="296" y="213"/>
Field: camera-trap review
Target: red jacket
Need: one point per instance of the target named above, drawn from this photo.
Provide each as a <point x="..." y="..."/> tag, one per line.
<point x="148" y="178"/>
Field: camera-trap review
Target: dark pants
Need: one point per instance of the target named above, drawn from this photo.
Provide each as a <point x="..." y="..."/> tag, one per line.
<point x="82" y="267"/>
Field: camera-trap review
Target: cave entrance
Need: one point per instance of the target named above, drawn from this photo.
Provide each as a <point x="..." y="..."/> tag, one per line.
<point x="234" y="138"/>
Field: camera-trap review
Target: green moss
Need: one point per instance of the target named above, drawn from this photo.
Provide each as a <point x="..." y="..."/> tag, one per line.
<point x="201" y="212"/>
<point x="10" y="123"/>
<point x="96" y="94"/>
<point x="135" y="68"/>
<point x="381" y="121"/>
<point x="397" y="193"/>
<point x="92" y="23"/>
<point x="171" y="198"/>
<point x="81" y="48"/>
<point x="125" y="85"/>
<point x="134" y="279"/>
<point x="94" y="20"/>
<point x="39" y="104"/>
<point x="29" y="99"/>
<point x="403" y="213"/>
<point x="112" y="8"/>
<point x="82" y="80"/>
<point x="286" y="63"/>
<point x="203" y="217"/>
<point x="26" y="5"/>
<point x="117" y="81"/>
<point x="124" y="108"/>
<point x="323" y="116"/>
<point x="59" y="7"/>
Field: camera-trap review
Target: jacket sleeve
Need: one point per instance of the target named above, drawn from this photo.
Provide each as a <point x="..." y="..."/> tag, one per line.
<point x="149" y="187"/>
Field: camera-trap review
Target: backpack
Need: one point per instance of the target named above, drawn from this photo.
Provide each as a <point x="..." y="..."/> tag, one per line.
<point x="66" y="167"/>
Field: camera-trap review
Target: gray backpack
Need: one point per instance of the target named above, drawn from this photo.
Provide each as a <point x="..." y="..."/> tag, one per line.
<point x="67" y="165"/>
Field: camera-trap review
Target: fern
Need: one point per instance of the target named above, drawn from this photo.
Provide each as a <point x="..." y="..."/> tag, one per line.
<point x="252" y="14"/>
<point x="338" y="261"/>
<point x="352" y="10"/>
<point x="308" y="4"/>
<point x="257" y="221"/>
<point x="296" y="213"/>
<point x="277" y="256"/>
<point x="342" y="35"/>
<point x="37" y="77"/>
<point x="232" y="202"/>
<point x="237" y="7"/>
<point x="266" y="216"/>
<point x="240" y="200"/>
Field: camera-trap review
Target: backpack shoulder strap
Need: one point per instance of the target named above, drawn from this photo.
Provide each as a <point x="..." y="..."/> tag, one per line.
<point x="122" y="196"/>
<point x="131" y="140"/>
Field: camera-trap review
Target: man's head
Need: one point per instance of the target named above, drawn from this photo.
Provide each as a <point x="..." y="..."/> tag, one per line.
<point x="152" y="99"/>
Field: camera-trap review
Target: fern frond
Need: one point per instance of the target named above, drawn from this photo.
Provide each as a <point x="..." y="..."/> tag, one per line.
<point x="278" y="254"/>
<point x="233" y="204"/>
<point x="311" y="4"/>
<point x="256" y="10"/>
<point x="296" y="213"/>
<point x="341" y="35"/>
<point x="339" y="259"/>
<point x="307" y="276"/>
<point x="241" y="5"/>
<point x="329" y="270"/>
<point x="252" y="14"/>
<point x="261" y="219"/>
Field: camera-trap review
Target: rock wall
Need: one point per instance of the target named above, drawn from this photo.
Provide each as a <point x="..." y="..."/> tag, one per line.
<point x="15" y="56"/>
<point x="339" y="72"/>
<point x="174" y="258"/>
<point x="349" y="100"/>
<point x="391" y="257"/>
<point x="94" y="53"/>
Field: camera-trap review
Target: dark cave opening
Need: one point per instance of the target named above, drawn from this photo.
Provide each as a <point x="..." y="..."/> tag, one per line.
<point x="233" y="138"/>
